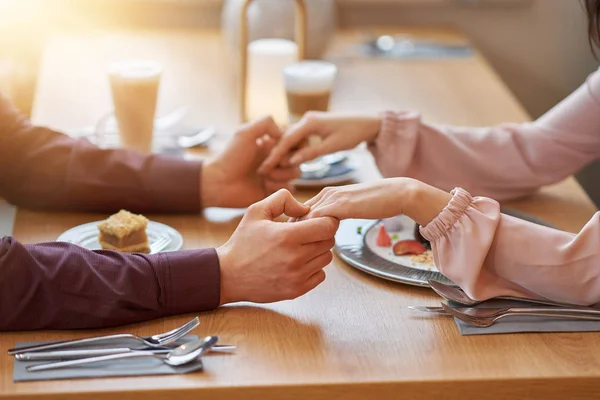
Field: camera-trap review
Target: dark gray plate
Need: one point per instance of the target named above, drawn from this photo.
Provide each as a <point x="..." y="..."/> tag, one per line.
<point x="349" y="246"/>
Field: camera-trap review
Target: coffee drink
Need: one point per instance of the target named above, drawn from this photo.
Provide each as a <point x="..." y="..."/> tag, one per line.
<point x="134" y="86"/>
<point x="308" y="86"/>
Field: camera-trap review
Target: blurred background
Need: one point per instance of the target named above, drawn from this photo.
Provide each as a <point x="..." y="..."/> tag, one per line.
<point x="538" y="47"/>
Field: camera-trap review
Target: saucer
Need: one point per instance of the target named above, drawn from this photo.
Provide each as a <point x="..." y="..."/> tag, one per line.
<point x="86" y="235"/>
<point x="339" y="173"/>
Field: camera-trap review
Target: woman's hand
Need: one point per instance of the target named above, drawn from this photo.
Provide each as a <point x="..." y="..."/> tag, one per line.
<point x="382" y="199"/>
<point x="231" y="179"/>
<point x="337" y="131"/>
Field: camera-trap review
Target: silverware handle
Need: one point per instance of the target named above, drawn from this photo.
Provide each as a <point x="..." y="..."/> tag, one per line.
<point x="567" y="315"/>
<point x="571" y="310"/>
<point x="68" y="354"/>
<point x="65" y="343"/>
<point x="82" y="361"/>
<point x="544" y="302"/>
<point x="75" y="354"/>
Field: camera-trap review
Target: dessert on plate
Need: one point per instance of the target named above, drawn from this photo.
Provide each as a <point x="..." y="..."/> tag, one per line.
<point x="124" y="231"/>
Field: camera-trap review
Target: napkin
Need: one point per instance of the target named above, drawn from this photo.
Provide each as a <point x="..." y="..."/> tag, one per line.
<point x="7" y="218"/>
<point x="126" y="367"/>
<point x="525" y="324"/>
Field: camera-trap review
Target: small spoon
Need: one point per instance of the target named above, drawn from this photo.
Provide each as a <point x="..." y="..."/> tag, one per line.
<point x="456" y="295"/>
<point x="183" y="354"/>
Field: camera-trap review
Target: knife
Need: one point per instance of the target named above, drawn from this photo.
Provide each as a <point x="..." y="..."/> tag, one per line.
<point x="75" y="354"/>
<point x="431" y="310"/>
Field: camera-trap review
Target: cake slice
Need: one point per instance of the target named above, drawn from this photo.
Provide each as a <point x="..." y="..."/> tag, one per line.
<point x="125" y="232"/>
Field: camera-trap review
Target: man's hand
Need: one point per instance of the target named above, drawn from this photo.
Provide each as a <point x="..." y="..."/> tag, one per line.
<point x="266" y="261"/>
<point x="231" y="179"/>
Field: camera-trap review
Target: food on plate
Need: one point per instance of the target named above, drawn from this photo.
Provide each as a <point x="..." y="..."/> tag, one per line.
<point x="393" y="224"/>
<point x="425" y="258"/>
<point x="408" y="247"/>
<point x="383" y="239"/>
<point x="124" y="232"/>
<point x="420" y="237"/>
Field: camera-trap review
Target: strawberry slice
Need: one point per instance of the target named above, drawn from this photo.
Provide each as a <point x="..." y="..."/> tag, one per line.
<point x="406" y="247"/>
<point x="383" y="239"/>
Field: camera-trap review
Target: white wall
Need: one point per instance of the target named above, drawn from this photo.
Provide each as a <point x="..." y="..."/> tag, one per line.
<point x="540" y="50"/>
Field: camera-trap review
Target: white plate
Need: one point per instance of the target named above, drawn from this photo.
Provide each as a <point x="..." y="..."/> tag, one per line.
<point x="355" y="243"/>
<point x="327" y="181"/>
<point x="86" y="235"/>
<point x="406" y="232"/>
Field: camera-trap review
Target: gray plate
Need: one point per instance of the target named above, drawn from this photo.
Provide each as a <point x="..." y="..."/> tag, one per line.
<point x="350" y="247"/>
<point x="86" y="235"/>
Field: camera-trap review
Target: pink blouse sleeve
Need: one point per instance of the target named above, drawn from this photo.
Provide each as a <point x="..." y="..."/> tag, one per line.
<point x="490" y="254"/>
<point x="501" y="162"/>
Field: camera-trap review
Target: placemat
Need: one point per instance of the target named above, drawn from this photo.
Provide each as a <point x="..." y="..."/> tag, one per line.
<point x="126" y="367"/>
<point x="525" y="324"/>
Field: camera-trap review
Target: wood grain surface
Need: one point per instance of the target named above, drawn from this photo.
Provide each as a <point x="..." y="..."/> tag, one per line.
<point x="352" y="337"/>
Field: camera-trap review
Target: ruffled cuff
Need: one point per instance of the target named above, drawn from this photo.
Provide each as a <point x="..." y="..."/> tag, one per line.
<point x="447" y="219"/>
<point x="394" y="146"/>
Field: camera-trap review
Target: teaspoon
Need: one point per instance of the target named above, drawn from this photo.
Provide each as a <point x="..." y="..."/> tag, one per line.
<point x="181" y="355"/>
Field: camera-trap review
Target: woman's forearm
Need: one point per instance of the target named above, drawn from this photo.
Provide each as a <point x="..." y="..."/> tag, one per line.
<point x="490" y="254"/>
<point x="501" y="162"/>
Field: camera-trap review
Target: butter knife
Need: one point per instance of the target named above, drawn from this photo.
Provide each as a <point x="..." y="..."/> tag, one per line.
<point x="75" y="354"/>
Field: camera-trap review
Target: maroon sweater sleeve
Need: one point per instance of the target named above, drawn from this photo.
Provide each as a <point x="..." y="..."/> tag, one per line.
<point x="63" y="286"/>
<point x="40" y="168"/>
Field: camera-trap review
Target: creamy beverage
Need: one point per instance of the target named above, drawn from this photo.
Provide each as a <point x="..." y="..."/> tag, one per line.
<point x="134" y="86"/>
<point x="308" y="86"/>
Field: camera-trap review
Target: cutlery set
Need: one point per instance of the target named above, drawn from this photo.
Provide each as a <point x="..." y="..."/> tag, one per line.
<point x="486" y="316"/>
<point x="70" y="353"/>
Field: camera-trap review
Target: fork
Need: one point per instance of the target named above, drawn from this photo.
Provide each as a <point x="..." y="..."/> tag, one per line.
<point x="457" y="295"/>
<point x="160" y="244"/>
<point x="485" y="317"/>
<point x="157" y="340"/>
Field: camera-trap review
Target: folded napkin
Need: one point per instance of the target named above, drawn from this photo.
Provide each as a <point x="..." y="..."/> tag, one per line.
<point x="525" y="324"/>
<point x="7" y="218"/>
<point x="126" y="367"/>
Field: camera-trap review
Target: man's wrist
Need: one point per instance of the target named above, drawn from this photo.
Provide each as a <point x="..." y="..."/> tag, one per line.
<point x="209" y="186"/>
<point x="225" y="296"/>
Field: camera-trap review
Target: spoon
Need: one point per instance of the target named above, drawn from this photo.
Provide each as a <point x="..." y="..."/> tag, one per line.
<point x="183" y="354"/>
<point x="457" y="295"/>
<point x="199" y="138"/>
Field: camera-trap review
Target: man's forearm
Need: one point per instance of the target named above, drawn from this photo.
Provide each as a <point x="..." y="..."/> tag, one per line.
<point x="45" y="169"/>
<point x="63" y="286"/>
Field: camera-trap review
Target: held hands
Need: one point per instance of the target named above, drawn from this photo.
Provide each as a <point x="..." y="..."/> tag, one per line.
<point x="266" y="261"/>
<point x="337" y="131"/>
<point x="232" y="180"/>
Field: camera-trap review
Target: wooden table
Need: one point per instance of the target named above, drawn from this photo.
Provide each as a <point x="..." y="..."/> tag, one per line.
<point x="353" y="336"/>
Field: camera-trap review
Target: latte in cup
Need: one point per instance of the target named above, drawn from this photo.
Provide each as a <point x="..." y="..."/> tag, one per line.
<point x="134" y="86"/>
<point x="308" y="86"/>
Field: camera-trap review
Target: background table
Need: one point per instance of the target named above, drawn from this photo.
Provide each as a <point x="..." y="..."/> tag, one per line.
<point x="353" y="336"/>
